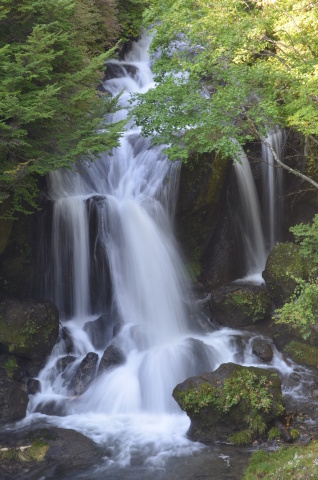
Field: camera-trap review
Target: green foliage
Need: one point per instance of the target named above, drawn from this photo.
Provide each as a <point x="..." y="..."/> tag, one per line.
<point x="301" y="311"/>
<point x="130" y="17"/>
<point x="307" y="236"/>
<point x="242" y="438"/>
<point x="244" y="66"/>
<point x="50" y="111"/>
<point x="290" y="463"/>
<point x="273" y="433"/>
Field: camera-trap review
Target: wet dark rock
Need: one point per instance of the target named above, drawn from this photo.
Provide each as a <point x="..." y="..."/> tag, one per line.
<point x="114" y="70"/>
<point x="64" y="450"/>
<point x="33" y="386"/>
<point x="52" y="407"/>
<point x="66" y="337"/>
<point x="238" y="305"/>
<point x="100" y="331"/>
<point x="64" y="362"/>
<point x="263" y="350"/>
<point x="286" y="436"/>
<point x="202" y="399"/>
<point x="85" y="374"/>
<point x="203" y="221"/>
<point x="112" y="357"/>
<point x="13" y="393"/>
<point x="28" y="328"/>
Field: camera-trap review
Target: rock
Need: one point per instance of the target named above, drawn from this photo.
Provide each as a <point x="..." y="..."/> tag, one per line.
<point x="286" y="436"/>
<point x="231" y="403"/>
<point x="263" y="350"/>
<point x="100" y="331"/>
<point x="112" y="357"/>
<point x="85" y="374"/>
<point x="56" y="408"/>
<point x="13" y="393"/>
<point x="285" y="258"/>
<point x="54" y="451"/>
<point x="238" y="305"/>
<point x="66" y="337"/>
<point x="202" y="221"/>
<point x="28" y="328"/>
<point x="64" y="362"/>
<point x="33" y="386"/>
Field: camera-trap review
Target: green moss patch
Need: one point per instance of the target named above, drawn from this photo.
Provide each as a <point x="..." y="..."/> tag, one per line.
<point x="254" y="305"/>
<point x="30" y="453"/>
<point x="302" y="353"/>
<point x="288" y="463"/>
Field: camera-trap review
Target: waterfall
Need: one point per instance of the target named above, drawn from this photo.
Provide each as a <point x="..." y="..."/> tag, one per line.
<point x="115" y="273"/>
<point x="272" y="188"/>
<point x="251" y="226"/>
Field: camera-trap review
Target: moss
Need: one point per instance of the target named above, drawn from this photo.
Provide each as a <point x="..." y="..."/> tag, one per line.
<point x="302" y="353"/>
<point x="31" y="453"/>
<point x="254" y="305"/>
<point x="289" y="463"/>
<point x="244" y="387"/>
<point x="10" y="366"/>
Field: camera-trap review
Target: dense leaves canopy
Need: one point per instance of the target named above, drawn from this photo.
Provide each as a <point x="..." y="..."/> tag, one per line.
<point x="50" y="110"/>
<point x="246" y="65"/>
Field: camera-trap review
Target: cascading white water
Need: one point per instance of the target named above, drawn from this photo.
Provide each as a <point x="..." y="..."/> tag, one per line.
<point x="272" y="188"/>
<point x="251" y="226"/>
<point x="114" y="255"/>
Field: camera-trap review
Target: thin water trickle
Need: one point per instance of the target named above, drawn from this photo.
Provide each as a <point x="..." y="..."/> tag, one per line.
<point x="251" y="226"/>
<point x="272" y="188"/>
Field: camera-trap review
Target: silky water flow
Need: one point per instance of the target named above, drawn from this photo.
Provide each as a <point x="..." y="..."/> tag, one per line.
<point x="114" y="259"/>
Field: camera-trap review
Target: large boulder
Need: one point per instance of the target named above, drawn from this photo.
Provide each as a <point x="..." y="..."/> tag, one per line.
<point x="233" y="404"/>
<point x="28" y="328"/>
<point x="13" y="393"/>
<point x="284" y="263"/>
<point x="239" y="305"/>
<point x="85" y="374"/>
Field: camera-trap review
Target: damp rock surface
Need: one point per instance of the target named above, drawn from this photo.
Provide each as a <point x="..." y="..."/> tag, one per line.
<point x="28" y="328"/>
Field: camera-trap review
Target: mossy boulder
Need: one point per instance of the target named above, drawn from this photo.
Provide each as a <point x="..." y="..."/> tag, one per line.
<point x="233" y="404"/>
<point x="239" y="305"/>
<point x="28" y="328"/>
<point x="13" y="393"/>
<point x="284" y="262"/>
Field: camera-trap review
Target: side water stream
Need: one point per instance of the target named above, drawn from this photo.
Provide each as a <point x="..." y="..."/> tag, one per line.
<point x="127" y="312"/>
